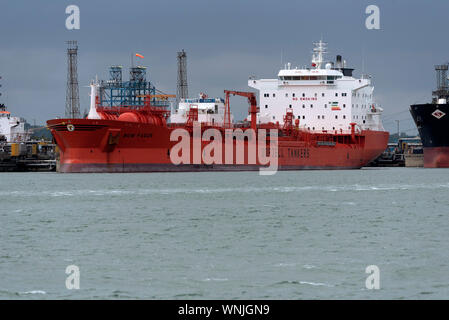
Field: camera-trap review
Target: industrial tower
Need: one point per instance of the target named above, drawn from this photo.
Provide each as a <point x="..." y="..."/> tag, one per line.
<point x="442" y="90"/>
<point x="72" y="104"/>
<point x="182" y="90"/>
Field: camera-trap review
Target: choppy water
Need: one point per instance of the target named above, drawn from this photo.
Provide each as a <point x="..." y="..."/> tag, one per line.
<point x="294" y="235"/>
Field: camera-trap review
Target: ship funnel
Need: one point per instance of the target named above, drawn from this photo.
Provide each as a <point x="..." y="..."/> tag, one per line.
<point x="338" y="63"/>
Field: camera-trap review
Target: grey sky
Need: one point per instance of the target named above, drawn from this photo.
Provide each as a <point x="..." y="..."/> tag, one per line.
<point x="226" y="41"/>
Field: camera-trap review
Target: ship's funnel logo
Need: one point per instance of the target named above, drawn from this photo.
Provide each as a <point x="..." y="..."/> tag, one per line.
<point x="438" y="114"/>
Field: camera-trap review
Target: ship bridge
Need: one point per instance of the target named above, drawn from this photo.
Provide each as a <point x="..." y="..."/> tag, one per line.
<point x="323" y="97"/>
<point x="304" y="77"/>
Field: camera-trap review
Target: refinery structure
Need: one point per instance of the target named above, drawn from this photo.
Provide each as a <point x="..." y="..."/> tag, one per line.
<point x="109" y="97"/>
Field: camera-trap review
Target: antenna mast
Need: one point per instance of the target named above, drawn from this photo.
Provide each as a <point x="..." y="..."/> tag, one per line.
<point x="318" y="54"/>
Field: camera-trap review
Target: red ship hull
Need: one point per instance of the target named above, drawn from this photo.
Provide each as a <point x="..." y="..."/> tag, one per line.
<point x="119" y="146"/>
<point x="436" y="157"/>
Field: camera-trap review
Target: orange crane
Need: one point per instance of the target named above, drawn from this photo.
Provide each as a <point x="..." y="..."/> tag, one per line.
<point x="252" y="109"/>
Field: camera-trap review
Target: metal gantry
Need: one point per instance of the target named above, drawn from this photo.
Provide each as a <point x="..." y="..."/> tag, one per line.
<point x="442" y="90"/>
<point x="118" y="93"/>
<point x="72" y="105"/>
<point x="182" y="88"/>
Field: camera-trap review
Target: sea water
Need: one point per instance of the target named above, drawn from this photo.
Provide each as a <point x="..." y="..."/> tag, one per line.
<point x="212" y="235"/>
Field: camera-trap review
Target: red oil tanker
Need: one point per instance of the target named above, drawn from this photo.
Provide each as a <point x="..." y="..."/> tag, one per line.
<point x="137" y="139"/>
<point x="328" y="122"/>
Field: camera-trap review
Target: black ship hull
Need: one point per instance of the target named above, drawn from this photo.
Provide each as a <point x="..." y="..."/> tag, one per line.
<point x="432" y="121"/>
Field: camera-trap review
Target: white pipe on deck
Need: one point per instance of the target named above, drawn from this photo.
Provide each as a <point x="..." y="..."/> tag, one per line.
<point x="93" y="114"/>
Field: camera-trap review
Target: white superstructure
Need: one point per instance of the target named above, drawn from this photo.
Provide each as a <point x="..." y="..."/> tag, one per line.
<point x="12" y="129"/>
<point x="210" y="110"/>
<point x="323" y="97"/>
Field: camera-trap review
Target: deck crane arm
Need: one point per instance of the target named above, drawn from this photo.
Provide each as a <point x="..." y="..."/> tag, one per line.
<point x="252" y="110"/>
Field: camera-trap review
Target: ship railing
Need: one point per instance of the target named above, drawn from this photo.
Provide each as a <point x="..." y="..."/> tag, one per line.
<point x="203" y="124"/>
<point x="246" y="125"/>
<point x="137" y="107"/>
<point x="329" y="132"/>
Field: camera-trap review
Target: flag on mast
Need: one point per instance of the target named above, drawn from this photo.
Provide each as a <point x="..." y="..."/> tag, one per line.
<point x="139" y="55"/>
